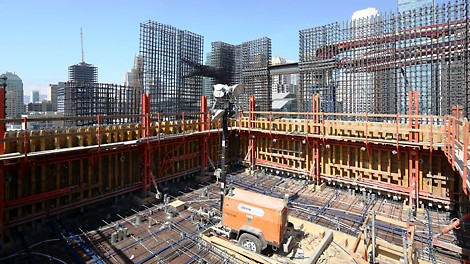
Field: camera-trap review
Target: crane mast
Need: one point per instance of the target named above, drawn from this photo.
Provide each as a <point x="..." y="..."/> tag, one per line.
<point x="81" y="42"/>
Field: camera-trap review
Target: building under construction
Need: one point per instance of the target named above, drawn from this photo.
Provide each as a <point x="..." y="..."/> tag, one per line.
<point x="377" y="156"/>
<point x="91" y="99"/>
<point x="167" y="55"/>
<point x="246" y="63"/>
<point x="370" y="64"/>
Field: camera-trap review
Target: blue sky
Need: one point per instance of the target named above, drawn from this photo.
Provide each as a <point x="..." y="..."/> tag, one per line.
<point x="40" y="38"/>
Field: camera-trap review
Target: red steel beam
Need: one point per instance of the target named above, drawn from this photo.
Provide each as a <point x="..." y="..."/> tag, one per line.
<point x="395" y="58"/>
<point x="432" y="31"/>
<point x="251" y="137"/>
<point x="316" y="162"/>
<point x="2" y="168"/>
<point x="98" y="132"/>
<point x="68" y="207"/>
<point x="146" y="148"/>
<point x="178" y="174"/>
<point x="39" y="197"/>
<point x="413" y="161"/>
<point x="204" y="125"/>
<point x="2" y="201"/>
<point x="465" y="157"/>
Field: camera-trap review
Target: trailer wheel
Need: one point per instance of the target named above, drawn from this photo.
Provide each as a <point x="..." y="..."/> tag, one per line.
<point x="250" y="242"/>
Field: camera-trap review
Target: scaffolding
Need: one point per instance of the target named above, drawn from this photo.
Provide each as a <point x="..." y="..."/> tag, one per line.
<point x="246" y="63"/>
<point x="83" y="72"/>
<point x="167" y="54"/>
<point x="370" y="64"/>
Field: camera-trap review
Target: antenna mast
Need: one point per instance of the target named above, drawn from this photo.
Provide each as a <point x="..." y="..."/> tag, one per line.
<point x="81" y="40"/>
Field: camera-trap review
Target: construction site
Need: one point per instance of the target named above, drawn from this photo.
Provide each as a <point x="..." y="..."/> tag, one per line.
<point x="373" y="168"/>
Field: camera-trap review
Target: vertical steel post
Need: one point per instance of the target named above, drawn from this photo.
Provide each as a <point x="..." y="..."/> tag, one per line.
<point x="2" y="112"/>
<point x="465" y="157"/>
<point x="204" y="139"/>
<point x="145" y="134"/>
<point x="405" y="248"/>
<point x="98" y="131"/>
<point x="413" y="159"/>
<point x="316" y="143"/>
<point x="2" y="168"/>
<point x="223" y="177"/>
<point x="373" y="235"/>
<point x="252" y="139"/>
<point x="25" y="139"/>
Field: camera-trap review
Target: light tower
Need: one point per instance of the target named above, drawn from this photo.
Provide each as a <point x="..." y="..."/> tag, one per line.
<point x="225" y="106"/>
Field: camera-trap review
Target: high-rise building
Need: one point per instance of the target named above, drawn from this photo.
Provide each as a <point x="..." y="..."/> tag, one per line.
<point x="34" y="96"/>
<point x="83" y="72"/>
<point x="246" y="63"/>
<point x="13" y="96"/>
<point x="128" y="78"/>
<point x="207" y="81"/>
<point x="52" y="94"/>
<point x="133" y="78"/>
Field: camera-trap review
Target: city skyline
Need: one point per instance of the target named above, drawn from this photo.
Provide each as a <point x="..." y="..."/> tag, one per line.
<point x="40" y="48"/>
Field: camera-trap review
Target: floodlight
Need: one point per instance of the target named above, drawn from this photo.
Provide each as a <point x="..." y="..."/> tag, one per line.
<point x="224" y="107"/>
<point x="237" y="89"/>
<point x="220" y="90"/>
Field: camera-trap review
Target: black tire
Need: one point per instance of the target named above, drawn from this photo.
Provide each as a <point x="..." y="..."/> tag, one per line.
<point x="250" y="242"/>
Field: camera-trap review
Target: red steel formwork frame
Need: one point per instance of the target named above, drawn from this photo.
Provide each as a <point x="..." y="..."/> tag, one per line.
<point x="465" y="158"/>
<point x="431" y="31"/>
<point x="204" y="125"/>
<point x="413" y="159"/>
<point x="2" y="169"/>
<point x="147" y="148"/>
<point x="316" y="160"/>
<point x="251" y="153"/>
<point x="456" y="143"/>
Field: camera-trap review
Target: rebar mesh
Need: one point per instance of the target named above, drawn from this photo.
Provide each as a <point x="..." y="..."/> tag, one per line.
<point x="167" y="54"/>
<point x="246" y="63"/>
<point x="369" y="64"/>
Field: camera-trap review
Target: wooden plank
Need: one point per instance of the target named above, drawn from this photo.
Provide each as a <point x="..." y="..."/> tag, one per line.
<point x="367" y="171"/>
<point x="325" y="242"/>
<point x="391" y="221"/>
<point x="359" y="237"/>
<point x="389" y="247"/>
<point x="411" y="244"/>
<point x="379" y="164"/>
<point x="242" y="253"/>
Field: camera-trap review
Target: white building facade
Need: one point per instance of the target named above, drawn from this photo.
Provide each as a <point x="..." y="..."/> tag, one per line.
<point x="13" y="96"/>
